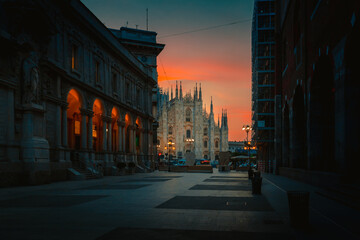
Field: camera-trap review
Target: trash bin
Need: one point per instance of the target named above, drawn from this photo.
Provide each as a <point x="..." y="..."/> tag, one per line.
<point x="256" y="185"/>
<point x="298" y="208"/>
<point x="256" y="174"/>
<point x="250" y="173"/>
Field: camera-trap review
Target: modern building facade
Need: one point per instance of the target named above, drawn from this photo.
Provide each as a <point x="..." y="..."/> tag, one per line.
<point x="263" y="81"/>
<point x="185" y="124"/>
<point x="318" y="45"/>
<point x="71" y="93"/>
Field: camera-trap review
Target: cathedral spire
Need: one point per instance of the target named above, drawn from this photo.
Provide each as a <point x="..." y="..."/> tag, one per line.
<point x="226" y="119"/>
<point x="196" y="92"/>
<point x="222" y="118"/>
<point x="200" y="94"/>
<point x="172" y="96"/>
<point x="218" y="120"/>
<point x="177" y="91"/>
<point x="181" y="95"/>
<point x="211" y="106"/>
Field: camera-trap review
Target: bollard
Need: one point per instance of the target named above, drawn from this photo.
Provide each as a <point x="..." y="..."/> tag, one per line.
<point x="256" y="174"/>
<point x="250" y="173"/>
<point x="298" y="208"/>
<point x="256" y="185"/>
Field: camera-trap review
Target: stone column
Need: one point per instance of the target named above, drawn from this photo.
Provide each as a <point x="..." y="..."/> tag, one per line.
<point x="10" y="116"/>
<point x="151" y="143"/>
<point x="134" y="144"/>
<point x="58" y="114"/>
<point x="142" y="139"/>
<point x="104" y="143"/>
<point x="58" y="127"/>
<point x="130" y="138"/>
<point x="89" y="136"/>
<point x="12" y="151"/>
<point x="90" y="131"/>
<point x="109" y="136"/>
<point x="123" y="132"/>
<point x="83" y="129"/>
<point x="134" y="139"/>
<point x="64" y="127"/>
<point x="119" y="136"/>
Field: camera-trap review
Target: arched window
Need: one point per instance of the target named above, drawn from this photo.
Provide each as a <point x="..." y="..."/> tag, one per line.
<point x="170" y="130"/>
<point x="205" y="131"/>
<point x="216" y="144"/>
<point x="188" y="133"/>
<point x="188" y="115"/>
<point x="205" y="144"/>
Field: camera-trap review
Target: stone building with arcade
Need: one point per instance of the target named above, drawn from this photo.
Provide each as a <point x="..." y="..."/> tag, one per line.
<point x="73" y="93"/>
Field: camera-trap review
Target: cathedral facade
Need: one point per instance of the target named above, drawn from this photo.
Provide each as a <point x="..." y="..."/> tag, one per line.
<point x="186" y="127"/>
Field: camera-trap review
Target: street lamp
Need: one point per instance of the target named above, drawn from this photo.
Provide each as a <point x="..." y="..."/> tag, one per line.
<point x="247" y="128"/>
<point x="170" y="144"/>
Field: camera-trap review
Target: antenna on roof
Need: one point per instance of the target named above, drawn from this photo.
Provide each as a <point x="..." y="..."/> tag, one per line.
<point x="147" y="19"/>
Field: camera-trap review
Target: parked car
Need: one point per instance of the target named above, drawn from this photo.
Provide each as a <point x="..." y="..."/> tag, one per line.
<point x="214" y="163"/>
<point x="202" y="162"/>
<point x="181" y="162"/>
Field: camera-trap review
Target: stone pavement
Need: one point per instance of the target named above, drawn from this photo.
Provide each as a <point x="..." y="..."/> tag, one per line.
<point x="164" y="205"/>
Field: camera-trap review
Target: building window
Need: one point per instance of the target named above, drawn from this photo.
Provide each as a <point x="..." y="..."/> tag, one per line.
<point x="138" y="97"/>
<point x="205" y="131"/>
<point x="158" y="142"/>
<point x="216" y="144"/>
<point x="188" y="133"/>
<point x="74" y="57"/>
<point x="188" y="115"/>
<point x="77" y="127"/>
<point x="97" y="72"/>
<point x="170" y="130"/>
<point x="114" y="82"/>
<point x="127" y="91"/>
<point x="205" y="144"/>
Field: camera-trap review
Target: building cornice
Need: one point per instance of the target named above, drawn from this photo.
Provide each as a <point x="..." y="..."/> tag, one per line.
<point x="110" y="40"/>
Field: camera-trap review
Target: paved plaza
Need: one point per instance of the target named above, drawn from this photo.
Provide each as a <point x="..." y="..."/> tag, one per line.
<point x="163" y="205"/>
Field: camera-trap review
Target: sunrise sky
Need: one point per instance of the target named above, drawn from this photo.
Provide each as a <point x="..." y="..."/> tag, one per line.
<point x="218" y="58"/>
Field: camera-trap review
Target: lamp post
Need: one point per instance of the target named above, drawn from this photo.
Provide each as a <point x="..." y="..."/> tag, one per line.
<point x="190" y="141"/>
<point x="247" y="128"/>
<point x="169" y="146"/>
